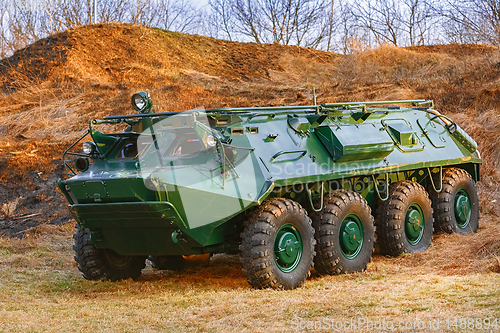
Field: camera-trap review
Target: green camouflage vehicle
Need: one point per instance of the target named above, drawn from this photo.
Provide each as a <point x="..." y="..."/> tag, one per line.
<point x="287" y="187"/>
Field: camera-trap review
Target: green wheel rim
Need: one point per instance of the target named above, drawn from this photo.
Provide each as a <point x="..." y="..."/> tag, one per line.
<point x="351" y="236"/>
<point x="463" y="208"/>
<point x="288" y="248"/>
<point x="414" y="224"/>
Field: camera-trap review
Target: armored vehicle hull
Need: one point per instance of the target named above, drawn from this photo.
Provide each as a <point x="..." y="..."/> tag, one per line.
<point x="287" y="187"/>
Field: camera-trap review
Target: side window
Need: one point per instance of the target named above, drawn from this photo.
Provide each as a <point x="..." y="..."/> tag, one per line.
<point x="128" y="150"/>
<point x="187" y="145"/>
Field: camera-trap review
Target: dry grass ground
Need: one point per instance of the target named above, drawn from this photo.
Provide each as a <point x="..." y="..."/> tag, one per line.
<point x="42" y="291"/>
<point x="50" y="90"/>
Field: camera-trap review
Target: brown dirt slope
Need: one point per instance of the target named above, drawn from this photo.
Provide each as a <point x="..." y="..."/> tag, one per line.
<point x="126" y="55"/>
<point x="49" y="91"/>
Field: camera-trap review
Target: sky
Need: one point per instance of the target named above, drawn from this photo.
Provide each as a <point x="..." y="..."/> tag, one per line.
<point x="199" y="3"/>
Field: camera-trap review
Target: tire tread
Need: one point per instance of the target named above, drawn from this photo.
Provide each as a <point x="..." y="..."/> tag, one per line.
<point x="258" y="238"/>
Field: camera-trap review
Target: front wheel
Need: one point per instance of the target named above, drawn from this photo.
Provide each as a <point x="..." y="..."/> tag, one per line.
<point x="277" y="248"/>
<point x="103" y="264"/>
<point x="344" y="233"/>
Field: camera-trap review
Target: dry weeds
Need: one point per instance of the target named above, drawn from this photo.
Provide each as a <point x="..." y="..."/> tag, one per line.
<point x="8" y="208"/>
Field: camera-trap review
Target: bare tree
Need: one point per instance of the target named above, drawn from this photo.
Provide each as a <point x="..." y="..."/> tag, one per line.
<point x="72" y="13"/>
<point x="417" y="20"/>
<point x="4" y="39"/>
<point x="248" y="15"/>
<point x="471" y="21"/>
<point x="143" y="12"/>
<point x="338" y="28"/>
<point x="381" y="18"/>
<point x="25" y="25"/>
<point x="306" y="22"/>
<point x="297" y="22"/>
<point x="178" y="15"/>
<point x="221" y="19"/>
<point x="397" y="22"/>
<point x="330" y="25"/>
<point x="113" y="10"/>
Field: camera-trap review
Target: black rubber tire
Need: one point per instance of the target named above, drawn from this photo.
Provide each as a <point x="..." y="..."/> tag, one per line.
<point x="171" y="263"/>
<point x="103" y="264"/>
<point x="258" y="241"/>
<point x="391" y="217"/>
<point x="454" y="180"/>
<point x="330" y="259"/>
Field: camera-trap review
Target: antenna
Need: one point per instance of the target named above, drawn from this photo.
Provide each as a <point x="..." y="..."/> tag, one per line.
<point x="314" y="96"/>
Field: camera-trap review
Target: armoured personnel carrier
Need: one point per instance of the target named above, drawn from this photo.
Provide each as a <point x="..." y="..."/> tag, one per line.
<point x="288" y="187"/>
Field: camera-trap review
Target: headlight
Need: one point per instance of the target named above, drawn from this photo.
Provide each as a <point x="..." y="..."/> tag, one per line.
<point x="211" y="141"/>
<point x="141" y="102"/>
<point x="89" y="147"/>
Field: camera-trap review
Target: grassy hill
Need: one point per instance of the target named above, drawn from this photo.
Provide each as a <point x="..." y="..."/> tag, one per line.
<point x="51" y="89"/>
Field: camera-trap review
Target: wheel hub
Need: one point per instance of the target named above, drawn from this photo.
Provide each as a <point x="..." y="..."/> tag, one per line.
<point x="414" y="224"/>
<point x="287" y="248"/>
<point x="463" y="208"/>
<point x="351" y="236"/>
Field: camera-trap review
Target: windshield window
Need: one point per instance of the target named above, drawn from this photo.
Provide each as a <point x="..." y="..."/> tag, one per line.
<point x="174" y="146"/>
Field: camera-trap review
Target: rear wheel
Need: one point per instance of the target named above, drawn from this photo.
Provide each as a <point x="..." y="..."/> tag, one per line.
<point x="277" y="246"/>
<point x="405" y="221"/>
<point x="344" y="233"/>
<point x="456" y="207"/>
<point x="103" y="264"/>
